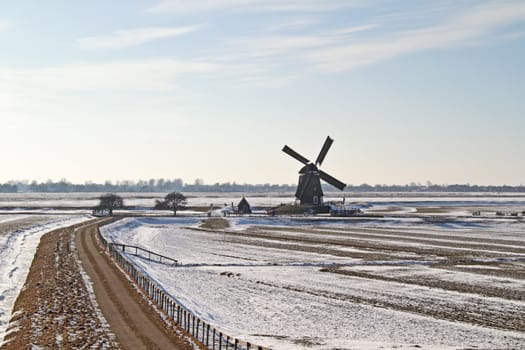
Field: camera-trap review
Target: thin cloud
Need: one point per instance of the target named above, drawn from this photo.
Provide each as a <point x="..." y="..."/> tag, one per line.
<point x="183" y="6"/>
<point x="133" y="37"/>
<point x="355" y="46"/>
<point x="354" y="29"/>
<point x="129" y="75"/>
<point x="292" y="24"/>
<point x="352" y="47"/>
<point x="286" y="47"/>
<point x="513" y="35"/>
<point x="270" y="81"/>
<point x="470" y="27"/>
<point x="278" y="45"/>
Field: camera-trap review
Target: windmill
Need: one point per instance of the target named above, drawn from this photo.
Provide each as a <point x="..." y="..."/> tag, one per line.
<point x="309" y="189"/>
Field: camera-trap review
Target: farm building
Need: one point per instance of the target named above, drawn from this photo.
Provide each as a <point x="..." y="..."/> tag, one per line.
<point x="244" y="207"/>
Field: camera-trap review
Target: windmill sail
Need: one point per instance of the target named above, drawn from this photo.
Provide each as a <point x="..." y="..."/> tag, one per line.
<point x="295" y="155"/>
<point x="328" y="142"/>
<point x="332" y="180"/>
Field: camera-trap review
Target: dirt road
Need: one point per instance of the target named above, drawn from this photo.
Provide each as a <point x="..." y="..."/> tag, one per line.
<point x="128" y="314"/>
<point x="55" y="309"/>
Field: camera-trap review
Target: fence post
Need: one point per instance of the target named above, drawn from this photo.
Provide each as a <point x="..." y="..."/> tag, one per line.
<point x="236" y="343"/>
<point x="207" y="335"/>
<point x="220" y="340"/>
<point x="197" y="332"/>
<point x="247" y="346"/>
<point x="213" y="338"/>
<point x="193" y="326"/>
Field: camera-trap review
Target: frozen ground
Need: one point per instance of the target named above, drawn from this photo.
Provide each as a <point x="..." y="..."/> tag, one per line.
<point x="345" y="284"/>
<point x="19" y="238"/>
<point x="421" y="277"/>
<point x="391" y="202"/>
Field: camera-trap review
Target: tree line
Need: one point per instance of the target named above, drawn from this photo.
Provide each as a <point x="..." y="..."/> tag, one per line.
<point x="173" y="201"/>
<point x="177" y="185"/>
<point x="152" y="185"/>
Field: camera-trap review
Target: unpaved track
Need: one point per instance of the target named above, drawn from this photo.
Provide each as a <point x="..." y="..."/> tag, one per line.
<point x="127" y="312"/>
<point x="54" y="309"/>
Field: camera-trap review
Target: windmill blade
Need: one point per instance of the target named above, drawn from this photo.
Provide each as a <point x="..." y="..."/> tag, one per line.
<point x="324" y="150"/>
<point x="332" y="180"/>
<point x="295" y="155"/>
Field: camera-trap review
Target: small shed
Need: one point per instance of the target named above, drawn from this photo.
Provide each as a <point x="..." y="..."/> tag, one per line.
<point x="244" y="207"/>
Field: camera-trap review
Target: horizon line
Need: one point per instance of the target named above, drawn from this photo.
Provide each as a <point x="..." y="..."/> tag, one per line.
<point x="201" y="182"/>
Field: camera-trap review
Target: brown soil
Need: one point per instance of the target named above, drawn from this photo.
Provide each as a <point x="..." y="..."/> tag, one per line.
<point x="129" y="314"/>
<point x="54" y="309"/>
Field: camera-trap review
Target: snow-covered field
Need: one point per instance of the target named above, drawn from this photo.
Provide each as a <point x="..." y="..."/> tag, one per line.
<point x="428" y="275"/>
<point x="294" y="283"/>
<point x="19" y="238"/>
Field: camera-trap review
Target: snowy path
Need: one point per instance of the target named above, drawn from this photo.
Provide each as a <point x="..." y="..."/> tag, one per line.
<point x="19" y="238"/>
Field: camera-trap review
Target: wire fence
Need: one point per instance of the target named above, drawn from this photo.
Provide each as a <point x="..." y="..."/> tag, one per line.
<point x="206" y="334"/>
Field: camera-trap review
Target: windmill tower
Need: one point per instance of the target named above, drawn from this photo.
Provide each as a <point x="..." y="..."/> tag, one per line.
<point x="309" y="189"/>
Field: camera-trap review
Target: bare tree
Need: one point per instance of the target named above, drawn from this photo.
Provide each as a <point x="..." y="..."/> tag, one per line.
<point x="172" y="201"/>
<point x="110" y="201"/>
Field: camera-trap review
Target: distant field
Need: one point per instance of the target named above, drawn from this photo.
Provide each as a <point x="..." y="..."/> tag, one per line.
<point x="322" y="284"/>
<point x="379" y="201"/>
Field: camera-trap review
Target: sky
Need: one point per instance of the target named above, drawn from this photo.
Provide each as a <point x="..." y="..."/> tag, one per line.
<point x="410" y="90"/>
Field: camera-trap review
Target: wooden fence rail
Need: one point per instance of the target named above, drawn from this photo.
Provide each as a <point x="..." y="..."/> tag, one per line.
<point x="148" y="254"/>
<point x="203" y="332"/>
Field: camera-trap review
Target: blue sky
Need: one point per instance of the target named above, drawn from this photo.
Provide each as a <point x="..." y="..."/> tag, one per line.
<point x="409" y="90"/>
